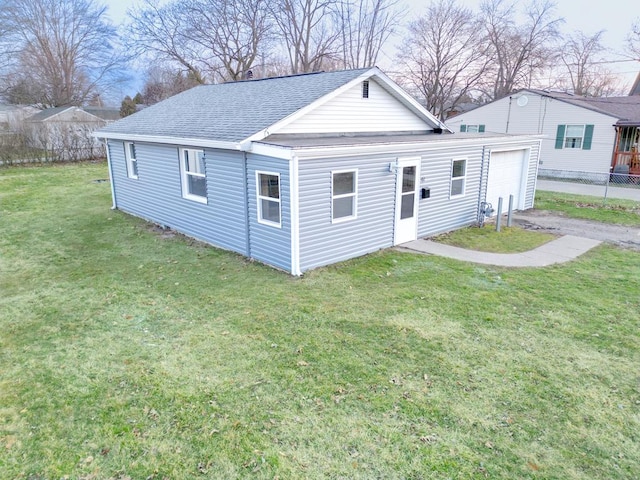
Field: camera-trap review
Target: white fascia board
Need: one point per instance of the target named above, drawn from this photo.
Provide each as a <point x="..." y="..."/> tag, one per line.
<point x="276" y="151"/>
<point x="312" y="106"/>
<point x="408" y="148"/>
<point x="193" y="142"/>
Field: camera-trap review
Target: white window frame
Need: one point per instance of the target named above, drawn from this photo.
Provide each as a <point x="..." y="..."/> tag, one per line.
<point x="567" y="137"/>
<point x="473" y="128"/>
<point x="463" y="178"/>
<point x="353" y="195"/>
<point x="131" y="160"/>
<point x="260" y="197"/>
<point x="185" y="174"/>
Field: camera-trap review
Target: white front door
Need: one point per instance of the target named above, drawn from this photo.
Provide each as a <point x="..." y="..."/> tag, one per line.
<point x="407" y="184"/>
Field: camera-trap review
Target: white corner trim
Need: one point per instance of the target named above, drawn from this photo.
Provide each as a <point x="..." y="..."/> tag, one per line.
<point x="295" y="216"/>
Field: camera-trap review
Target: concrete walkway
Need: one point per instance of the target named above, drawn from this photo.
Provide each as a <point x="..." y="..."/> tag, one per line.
<point x="561" y="250"/>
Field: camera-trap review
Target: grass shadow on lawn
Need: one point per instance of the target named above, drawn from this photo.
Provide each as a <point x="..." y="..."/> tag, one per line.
<point x="125" y="353"/>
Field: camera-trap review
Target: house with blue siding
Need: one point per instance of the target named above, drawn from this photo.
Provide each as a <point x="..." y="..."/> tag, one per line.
<point x="307" y="170"/>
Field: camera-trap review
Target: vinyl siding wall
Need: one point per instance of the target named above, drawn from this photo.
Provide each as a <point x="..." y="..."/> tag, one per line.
<point x="543" y="115"/>
<point x="157" y="193"/>
<point x="349" y="112"/>
<point x="270" y="244"/>
<point x="440" y="213"/>
<point x="323" y="242"/>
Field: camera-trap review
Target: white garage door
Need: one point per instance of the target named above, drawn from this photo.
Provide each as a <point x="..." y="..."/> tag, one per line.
<point x="507" y="177"/>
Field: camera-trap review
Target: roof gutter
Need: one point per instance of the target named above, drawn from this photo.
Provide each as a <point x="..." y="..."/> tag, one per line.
<point x="196" y="142"/>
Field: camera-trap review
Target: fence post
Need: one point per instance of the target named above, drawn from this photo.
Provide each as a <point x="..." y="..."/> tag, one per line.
<point x="510" y="210"/>
<point x="499" y="213"/>
<point x="606" y="189"/>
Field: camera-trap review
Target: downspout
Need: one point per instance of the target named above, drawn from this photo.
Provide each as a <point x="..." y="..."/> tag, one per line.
<point x="110" y="168"/>
<point x="482" y="198"/>
<point x="247" y="238"/>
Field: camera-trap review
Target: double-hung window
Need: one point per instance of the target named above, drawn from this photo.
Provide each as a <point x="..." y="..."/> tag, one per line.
<point x="192" y="169"/>
<point x="574" y="136"/>
<point x="344" y="195"/>
<point x="131" y="159"/>
<point x="268" y="195"/>
<point x="458" y="176"/>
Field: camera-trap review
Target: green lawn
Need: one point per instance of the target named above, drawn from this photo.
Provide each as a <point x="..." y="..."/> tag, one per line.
<point x="625" y="212"/>
<point x="487" y="239"/>
<point x="130" y="354"/>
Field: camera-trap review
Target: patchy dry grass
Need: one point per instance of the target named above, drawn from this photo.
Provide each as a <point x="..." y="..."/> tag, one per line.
<point x="624" y="212"/>
<point x="127" y="354"/>
<point x="486" y="239"/>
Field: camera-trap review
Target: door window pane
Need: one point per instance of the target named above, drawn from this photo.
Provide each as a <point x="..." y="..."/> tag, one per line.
<point x="407" y="204"/>
<point x="408" y="179"/>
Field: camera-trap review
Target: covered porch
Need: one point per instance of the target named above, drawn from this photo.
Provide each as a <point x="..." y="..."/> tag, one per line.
<point x="626" y="156"/>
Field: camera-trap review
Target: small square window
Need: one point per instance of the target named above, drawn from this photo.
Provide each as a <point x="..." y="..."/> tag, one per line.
<point x="268" y="196"/>
<point x="343" y="195"/>
<point x="458" y="177"/>
<point x="194" y="180"/>
<point x="131" y="159"/>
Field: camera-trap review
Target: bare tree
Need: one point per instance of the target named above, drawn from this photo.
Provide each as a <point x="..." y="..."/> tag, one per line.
<point x="161" y="31"/>
<point x="65" y="50"/>
<point x="308" y="31"/>
<point x="633" y="40"/>
<point x="581" y="57"/>
<point x="520" y="48"/>
<point x="365" y="27"/>
<point x="163" y="82"/>
<point x="443" y="55"/>
<point x="232" y="34"/>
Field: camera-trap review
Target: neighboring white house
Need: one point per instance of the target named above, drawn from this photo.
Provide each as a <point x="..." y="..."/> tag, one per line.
<point x="64" y="133"/>
<point x="308" y="170"/>
<point x="581" y="134"/>
<point x="12" y="118"/>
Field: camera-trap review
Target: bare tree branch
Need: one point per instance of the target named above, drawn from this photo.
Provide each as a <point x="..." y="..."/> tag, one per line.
<point x="308" y="31"/>
<point x="444" y="56"/>
<point x="365" y="27"/>
<point x="520" y="49"/>
<point x="161" y="31"/>
<point x="66" y="51"/>
<point x="232" y="33"/>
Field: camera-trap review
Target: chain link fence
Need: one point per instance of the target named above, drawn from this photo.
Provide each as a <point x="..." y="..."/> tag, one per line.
<point x="604" y="185"/>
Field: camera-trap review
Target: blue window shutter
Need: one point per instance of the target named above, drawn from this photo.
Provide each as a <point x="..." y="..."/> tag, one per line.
<point x="463" y="128"/>
<point x="481" y="128"/>
<point x="560" y="136"/>
<point x="588" y="137"/>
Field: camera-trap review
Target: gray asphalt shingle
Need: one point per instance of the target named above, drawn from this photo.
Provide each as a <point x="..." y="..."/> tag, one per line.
<point x="231" y="111"/>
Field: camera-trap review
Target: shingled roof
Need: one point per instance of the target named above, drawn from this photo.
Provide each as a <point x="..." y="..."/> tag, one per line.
<point x="234" y="112"/>
<point x="625" y="109"/>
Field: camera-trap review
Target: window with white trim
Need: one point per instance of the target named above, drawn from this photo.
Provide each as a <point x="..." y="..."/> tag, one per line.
<point x="573" y="136"/>
<point x="458" y="177"/>
<point x="344" y="195"/>
<point x="194" y="180"/>
<point x="131" y="159"/>
<point x="268" y="195"/>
